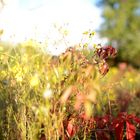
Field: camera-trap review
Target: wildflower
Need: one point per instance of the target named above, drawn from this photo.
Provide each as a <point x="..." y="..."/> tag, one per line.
<point x="34" y="81"/>
<point x="47" y="94"/>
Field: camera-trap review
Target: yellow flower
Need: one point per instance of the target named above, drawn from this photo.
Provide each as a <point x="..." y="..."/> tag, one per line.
<point x="131" y="80"/>
<point x="34" y="81"/>
<point x="19" y="78"/>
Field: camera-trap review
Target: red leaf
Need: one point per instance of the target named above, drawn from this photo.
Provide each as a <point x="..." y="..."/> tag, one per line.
<point x="130" y="116"/>
<point x="71" y="129"/>
<point x="137" y="120"/>
<point x="130" y="131"/>
<point x="119" y="130"/>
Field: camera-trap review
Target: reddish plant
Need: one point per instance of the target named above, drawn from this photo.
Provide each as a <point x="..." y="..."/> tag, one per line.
<point x="127" y="120"/>
<point x="107" y="51"/>
<point x="107" y="126"/>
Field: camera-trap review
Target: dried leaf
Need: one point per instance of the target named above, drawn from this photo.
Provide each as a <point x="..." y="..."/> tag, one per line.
<point x="107" y="51"/>
<point x="66" y="94"/>
<point x="103" y="68"/>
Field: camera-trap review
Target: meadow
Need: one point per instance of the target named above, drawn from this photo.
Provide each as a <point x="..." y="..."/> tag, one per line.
<point x="75" y="95"/>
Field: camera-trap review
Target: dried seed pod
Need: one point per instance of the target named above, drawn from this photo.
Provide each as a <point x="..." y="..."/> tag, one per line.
<point x="107" y="51"/>
<point x="110" y="51"/>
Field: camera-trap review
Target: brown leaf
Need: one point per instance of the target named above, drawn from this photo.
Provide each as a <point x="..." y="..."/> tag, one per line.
<point x="107" y="51"/>
<point x="103" y="68"/>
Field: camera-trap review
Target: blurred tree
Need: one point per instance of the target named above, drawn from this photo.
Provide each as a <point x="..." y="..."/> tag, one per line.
<point x="122" y="27"/>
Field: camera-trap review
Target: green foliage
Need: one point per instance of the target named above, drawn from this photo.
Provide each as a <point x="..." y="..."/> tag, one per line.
<point x="123" y="86"/>
<point x="19" y="67"/>
<point x="121" y="27"/>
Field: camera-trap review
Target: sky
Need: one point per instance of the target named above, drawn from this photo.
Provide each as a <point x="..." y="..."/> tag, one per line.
<point x="25" y="19"/>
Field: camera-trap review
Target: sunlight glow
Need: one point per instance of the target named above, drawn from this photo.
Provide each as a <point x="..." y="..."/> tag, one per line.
<point x="36" y="19"/>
